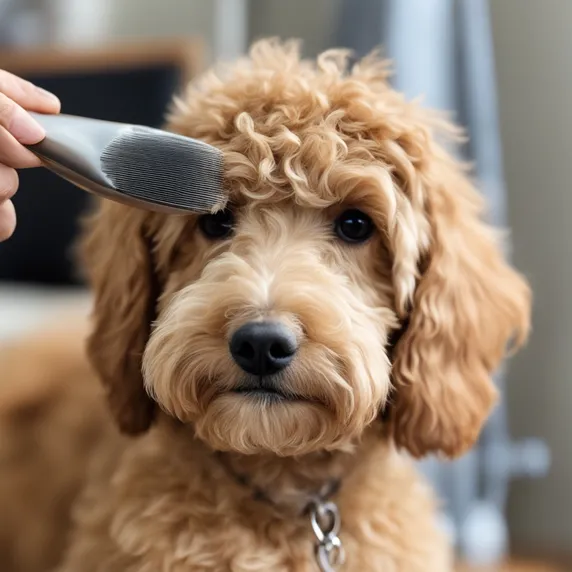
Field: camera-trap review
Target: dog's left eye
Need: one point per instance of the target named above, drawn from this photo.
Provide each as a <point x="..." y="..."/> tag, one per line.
<point x="354" y="226"/>
<point x="217" y="226"/>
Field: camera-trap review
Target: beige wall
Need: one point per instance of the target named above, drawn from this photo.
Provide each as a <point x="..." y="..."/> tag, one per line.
<point x="534" y="64"/>
<point x="162" y="18"/>
<point x="125" y="20"/>
<point x="312" y="20"/>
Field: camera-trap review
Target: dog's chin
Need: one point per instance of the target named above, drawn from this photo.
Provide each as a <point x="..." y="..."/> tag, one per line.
<point x="263" y="421"/>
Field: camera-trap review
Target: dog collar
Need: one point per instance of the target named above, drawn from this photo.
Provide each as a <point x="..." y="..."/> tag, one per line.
<point x="323" y="513"/>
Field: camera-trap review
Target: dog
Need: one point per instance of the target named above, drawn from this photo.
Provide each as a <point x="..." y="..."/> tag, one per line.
<point x="278" y="362"/>
<point x="53" y="425"/>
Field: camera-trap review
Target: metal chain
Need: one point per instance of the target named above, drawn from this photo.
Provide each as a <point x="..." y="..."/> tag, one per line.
<point x="326" y="522"/>
<point x="324" y="517"/>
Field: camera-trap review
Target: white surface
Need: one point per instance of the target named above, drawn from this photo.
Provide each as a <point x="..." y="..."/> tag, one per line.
<point x="230" y="28"/>
<point x="484" y="535"/>
<point x="25" y="308"/>
<point x="79" y="22"/>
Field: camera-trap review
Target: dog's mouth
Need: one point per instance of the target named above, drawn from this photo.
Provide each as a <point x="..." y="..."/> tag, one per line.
<point x="265" y="389"/>
<point x="263" y="395"/>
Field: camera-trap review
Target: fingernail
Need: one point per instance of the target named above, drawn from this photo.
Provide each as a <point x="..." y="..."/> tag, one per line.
<point x="25" y="128"/>
<point x="47" y="95"/>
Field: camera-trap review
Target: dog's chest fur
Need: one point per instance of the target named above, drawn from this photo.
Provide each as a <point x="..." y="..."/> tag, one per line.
<point x="172" y="506"/>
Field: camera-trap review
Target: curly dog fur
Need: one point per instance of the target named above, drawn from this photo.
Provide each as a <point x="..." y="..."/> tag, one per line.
<point x="397" y="336"/>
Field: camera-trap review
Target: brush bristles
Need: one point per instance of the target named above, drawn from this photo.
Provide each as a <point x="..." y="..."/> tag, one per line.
<point x="165" y="169"/>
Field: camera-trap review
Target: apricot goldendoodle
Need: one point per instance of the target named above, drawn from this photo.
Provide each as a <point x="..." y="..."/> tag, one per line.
<point x="279" y="358"/>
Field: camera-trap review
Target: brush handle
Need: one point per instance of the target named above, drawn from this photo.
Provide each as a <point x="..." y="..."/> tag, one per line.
<point x="74" y="146"/>
<point x="72" y="150"/>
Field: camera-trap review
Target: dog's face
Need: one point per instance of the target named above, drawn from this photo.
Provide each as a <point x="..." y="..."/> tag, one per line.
<point x="273" y="327"/>
<point x="346" y="223"/>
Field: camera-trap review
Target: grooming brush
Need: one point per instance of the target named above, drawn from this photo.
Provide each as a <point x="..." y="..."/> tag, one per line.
<point x="131" y="164"/>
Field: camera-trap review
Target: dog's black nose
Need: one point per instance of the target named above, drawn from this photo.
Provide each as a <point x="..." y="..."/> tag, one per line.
<point x="263" y="348"/>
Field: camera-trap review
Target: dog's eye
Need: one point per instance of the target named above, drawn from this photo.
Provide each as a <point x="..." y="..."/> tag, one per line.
<point x="354" y="226"/>
<point x="218" y="225"/>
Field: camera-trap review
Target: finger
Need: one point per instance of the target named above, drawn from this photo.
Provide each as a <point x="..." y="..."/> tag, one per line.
<point x="28" y="95"/>
<point x="7" y="220"/>
<point x="8" y="183"/>
<point x="15" y="155"/>
<point x="19" y="123"/>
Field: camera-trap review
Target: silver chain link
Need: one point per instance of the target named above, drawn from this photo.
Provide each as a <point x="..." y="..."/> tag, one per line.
<point x="326" y="522"/>
<point x="324" y="516"/>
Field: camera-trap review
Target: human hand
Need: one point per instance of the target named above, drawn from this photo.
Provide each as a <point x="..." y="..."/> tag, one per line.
<point x="18" y="128"/>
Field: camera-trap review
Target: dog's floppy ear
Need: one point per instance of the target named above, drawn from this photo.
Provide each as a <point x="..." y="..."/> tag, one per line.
<point x="117" y="260"/>
<point x="468" y="304"/>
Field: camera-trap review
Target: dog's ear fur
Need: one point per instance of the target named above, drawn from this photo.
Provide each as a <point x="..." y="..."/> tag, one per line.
<point x="117" y="260"/>
<point x="467" y="306"/>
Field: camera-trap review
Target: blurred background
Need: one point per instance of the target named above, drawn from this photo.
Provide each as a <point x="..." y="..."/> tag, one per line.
<point x="504" y="70"/>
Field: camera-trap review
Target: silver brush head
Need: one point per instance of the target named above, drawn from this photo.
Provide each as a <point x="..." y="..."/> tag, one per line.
<point x="139" y="166"/>
<point x="164" y="169"/>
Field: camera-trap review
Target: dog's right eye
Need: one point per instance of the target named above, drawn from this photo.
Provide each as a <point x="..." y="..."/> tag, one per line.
<point x="217" y="226"/>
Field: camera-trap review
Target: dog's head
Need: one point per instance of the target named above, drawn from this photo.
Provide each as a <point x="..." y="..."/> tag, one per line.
<point x="276" y="318"/>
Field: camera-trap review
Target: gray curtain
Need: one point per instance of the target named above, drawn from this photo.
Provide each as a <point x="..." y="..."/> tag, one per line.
<point x="443" y="50"/>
